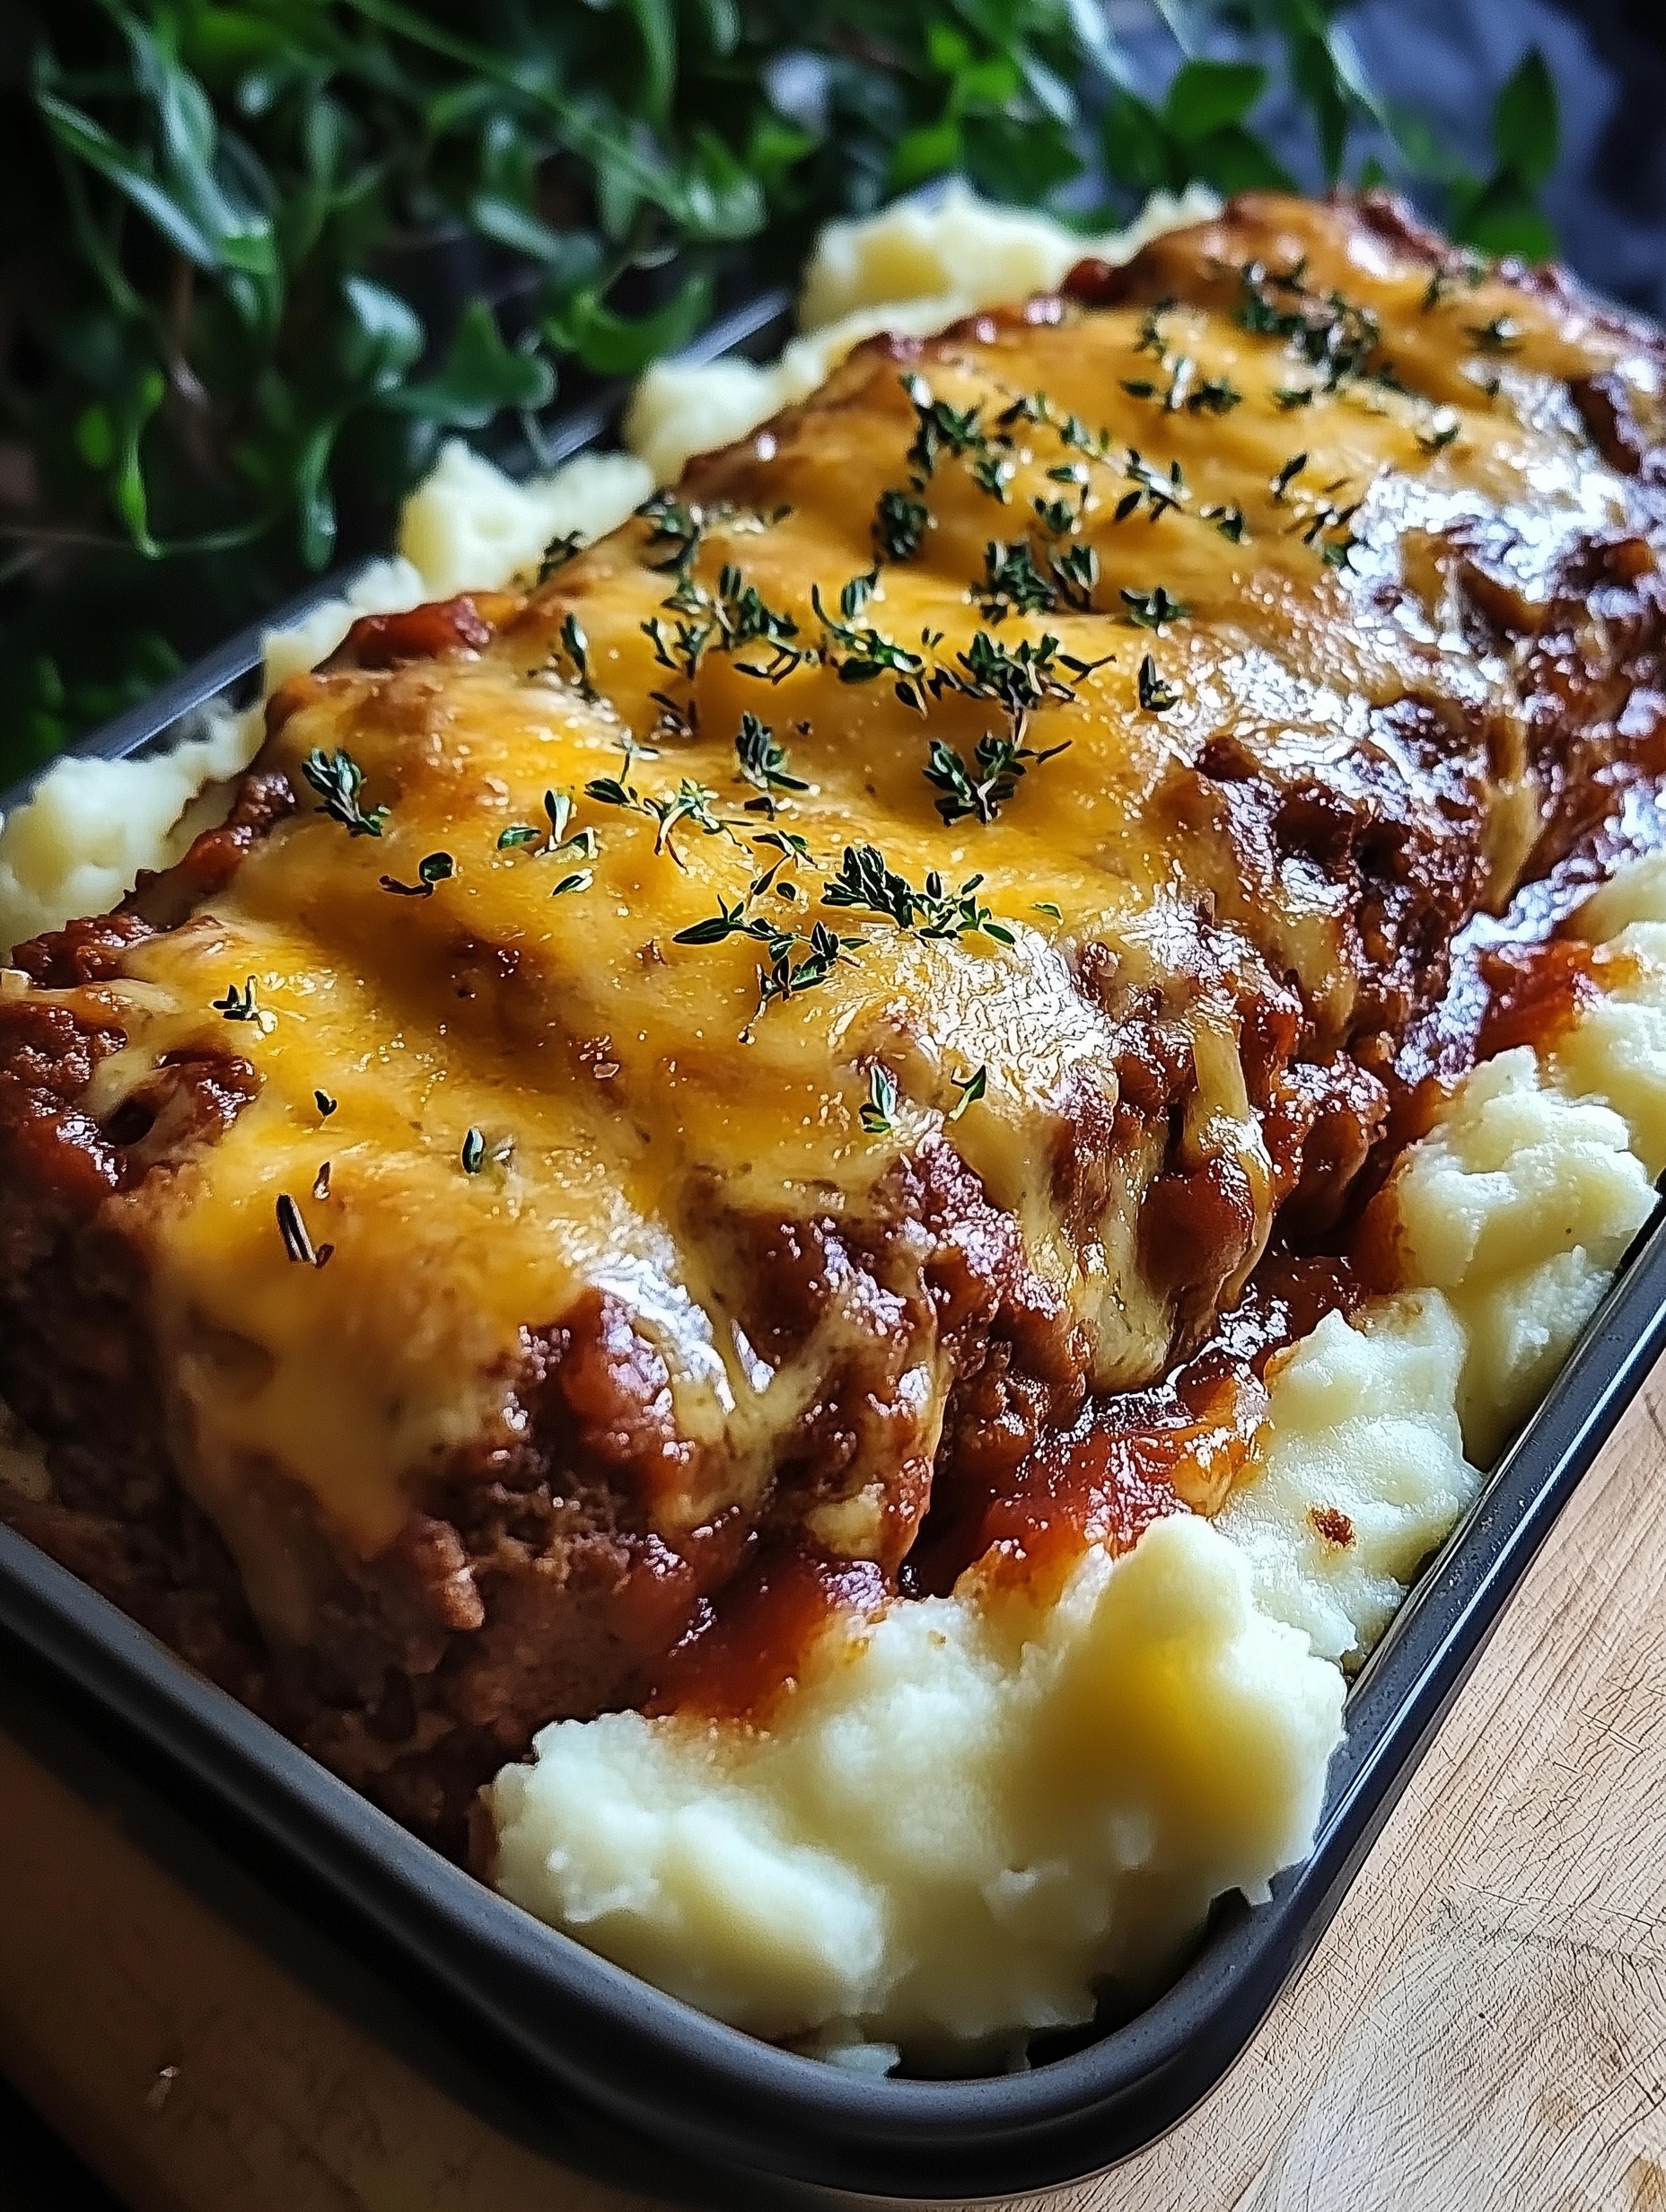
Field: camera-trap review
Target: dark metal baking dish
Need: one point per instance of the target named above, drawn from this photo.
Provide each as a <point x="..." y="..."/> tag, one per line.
<point x="648" y="2087"/>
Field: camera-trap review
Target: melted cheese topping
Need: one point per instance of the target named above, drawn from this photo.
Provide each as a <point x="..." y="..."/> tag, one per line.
<point x="620" y="1088"/>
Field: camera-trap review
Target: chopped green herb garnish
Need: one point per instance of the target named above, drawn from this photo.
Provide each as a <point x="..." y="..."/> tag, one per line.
<point x="1149" y="611"/>
<point x="992" y="471"/>
<point x="868" y="653"/>
<point x="1159" y="492"/>
<point x="1502" y="335"/>
<point x="1288" y="474"/>
<point x="558" y="552"/>
<point x="939" y="428"/>
<point x="677" y="527"/>
<point x="692" y="802"/>
<point x="337" y="779"/>
<point x="1013" y="584"/>
<point x="1076" y="572"/>
<point x="1330" y="332"/>
<point x="474" y="1152"/>
<point x="1228" y="521"/>
<point x="857" y="592"/>
<point x="865" y="882"/>
<point x="900" y="524"/>
<point x="877" y="1108"/>
<point x="326" y="1104"/>
<point x="558" y="840"/>
<point x="1216" y="395"/>
<point x="1020" y="678"/>
<point x="971" y="1088"/>
<point x="239" y="1005"/>
<point x="577" y="647"/>
<point x="320" y="1183"/>
<point x="1471" y="271"/>
<point x="1047" y="905"/>
<point x="798" y="963"/>
<point x="434" y="868"/>
<point x="297" y="1243"/>
<point x="1156" y="696"/>
<point x="1001" y="763"/>
<point x="762" y="762"/>
<point x="1292" y="396"/>
<point x="1151" y="338"/>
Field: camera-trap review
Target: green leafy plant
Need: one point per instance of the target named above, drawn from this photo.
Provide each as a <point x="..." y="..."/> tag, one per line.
<point x="257" y="260"/>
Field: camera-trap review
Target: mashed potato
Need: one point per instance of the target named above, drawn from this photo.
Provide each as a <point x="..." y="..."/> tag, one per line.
<point x="975" y="1813"/>
<point x="972" y="1812"/>
<point x="913" y="269"/>
<point x="1362" y="1470"/>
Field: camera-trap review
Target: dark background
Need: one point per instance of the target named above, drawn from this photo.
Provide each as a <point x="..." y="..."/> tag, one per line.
<point x="1608" y="201"/>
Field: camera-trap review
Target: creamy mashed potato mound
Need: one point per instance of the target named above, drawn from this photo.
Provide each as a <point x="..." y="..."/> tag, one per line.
<point x="1362" y="1472"/>
<point x="972" y="1814"/>
<point x="914" y="269"/>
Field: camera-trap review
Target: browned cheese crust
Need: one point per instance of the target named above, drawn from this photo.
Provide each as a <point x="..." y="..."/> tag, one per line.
<point x="778" y="1137"/>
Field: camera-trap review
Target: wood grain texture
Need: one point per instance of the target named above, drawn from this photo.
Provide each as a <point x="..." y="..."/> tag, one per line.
<point x="1483" y="2026"/>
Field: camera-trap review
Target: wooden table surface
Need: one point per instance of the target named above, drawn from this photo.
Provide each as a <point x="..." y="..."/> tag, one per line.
<point x="1483" y="2026"/>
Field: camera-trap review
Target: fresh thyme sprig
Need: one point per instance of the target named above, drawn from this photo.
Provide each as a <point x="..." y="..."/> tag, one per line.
<point x="1001" y="763"/>
<point x="1502" y="335"/>
<point x="337" y="779"/>
<point x="800" y="963"/>
<point x="1287" y="475"/>
<point x="1211" y="395"/>
<point x="761" y="761"/>
<point x="878" y="1110"/>
<point x="900" y="522"/>
<point x="1156" y="489"/>
<point x="1151" y="611"/>
<point x="859" y="653"/>
<point x="558" y="552"/>
<point x="734" y="615"/>
<point x="867" y="883"/>
<point x="940" y="428"/>
<point x="1013" y="583"/>
<point x="1327" y="330"/>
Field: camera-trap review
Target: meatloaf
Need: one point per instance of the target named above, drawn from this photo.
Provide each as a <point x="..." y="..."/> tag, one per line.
<point x="733" y="1045"/>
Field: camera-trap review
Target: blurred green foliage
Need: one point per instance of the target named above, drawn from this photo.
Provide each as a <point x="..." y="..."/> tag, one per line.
<point x="256" y="260"/>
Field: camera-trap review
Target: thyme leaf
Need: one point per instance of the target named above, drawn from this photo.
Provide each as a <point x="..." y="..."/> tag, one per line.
<point x="1001" y="763"/>
<point x="337" y="779"/>
<point x="971" y="1088"/>
<point x="901" y="521"/>
<point x="1149" y="611"/>
<point x="1156" y="696"/>
<point x="879" y="1108"/>
<point x="298" y="1245"/>
<point x="762" y="761"/>
<point x="434" y="869"/>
